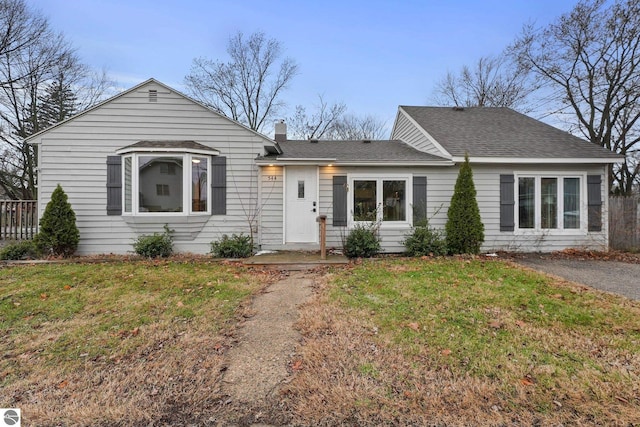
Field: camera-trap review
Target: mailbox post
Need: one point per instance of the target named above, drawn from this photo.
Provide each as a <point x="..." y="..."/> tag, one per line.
<point x="322" y="219"/>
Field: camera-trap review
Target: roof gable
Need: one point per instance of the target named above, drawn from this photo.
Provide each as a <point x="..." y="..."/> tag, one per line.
<point x="499" y="132"/>
<point x="139" y="87"/>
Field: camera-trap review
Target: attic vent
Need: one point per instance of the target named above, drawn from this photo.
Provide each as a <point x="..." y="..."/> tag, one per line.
<point x="153" y="95"/>
<point x="313" y="141"/>
<point x="366" y="141"/>
<point x="458" y="108"/>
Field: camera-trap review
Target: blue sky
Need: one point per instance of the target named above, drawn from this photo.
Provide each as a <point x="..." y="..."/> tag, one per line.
<point x="372" y="55"/>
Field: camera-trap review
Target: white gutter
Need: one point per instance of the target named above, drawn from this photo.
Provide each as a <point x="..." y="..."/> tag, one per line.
<point x="548" y="160"/>
<point x="325" y="162"/>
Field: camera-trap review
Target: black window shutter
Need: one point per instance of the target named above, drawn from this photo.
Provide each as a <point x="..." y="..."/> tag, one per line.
<point x="419" y="199"/>
<point x="339" y="200"/>
<point x="219" y="185"/>
<point x="114" y="185"/>
<point x="507" y="202"/>
<point x="594" y="202"/>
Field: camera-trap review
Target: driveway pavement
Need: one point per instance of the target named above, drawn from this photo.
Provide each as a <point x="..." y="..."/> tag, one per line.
<point x="612" y="276"/>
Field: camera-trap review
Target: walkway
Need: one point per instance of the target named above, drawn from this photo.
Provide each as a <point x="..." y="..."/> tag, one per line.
<point x="267" y="343"/>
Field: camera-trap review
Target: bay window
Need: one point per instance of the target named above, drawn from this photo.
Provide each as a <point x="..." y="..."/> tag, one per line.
<point x="550" y="203"/>
<point x="168" y="184"/>
<point x="380" y="199"/>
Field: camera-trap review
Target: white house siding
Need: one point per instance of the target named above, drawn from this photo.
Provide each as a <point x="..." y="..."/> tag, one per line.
<point x="440" y="184"/>
<point x="405" y="130"/>
<point x="75" y="153"/>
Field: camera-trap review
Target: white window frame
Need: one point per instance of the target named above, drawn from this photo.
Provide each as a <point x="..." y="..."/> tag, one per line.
<point x="407" y="178"/>
<point x="560" y="230"/>
<point x="186" y="183"/>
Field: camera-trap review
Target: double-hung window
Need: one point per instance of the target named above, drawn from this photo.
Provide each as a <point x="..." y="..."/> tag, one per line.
<point x="550" y="202"/>
<point x="168" y="184"/>
<point x="383" y="198"/>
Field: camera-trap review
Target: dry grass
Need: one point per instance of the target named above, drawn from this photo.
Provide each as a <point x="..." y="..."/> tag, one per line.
<point x="460" y="342"/>
<point x="119" y="343"/>
<point x="389" y="342"/>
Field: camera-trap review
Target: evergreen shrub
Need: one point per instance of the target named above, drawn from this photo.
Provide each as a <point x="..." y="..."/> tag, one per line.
<point x="58" y="234"/>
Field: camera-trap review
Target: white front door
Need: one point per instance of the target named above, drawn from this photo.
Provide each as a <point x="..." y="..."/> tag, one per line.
<point x="301" y="205"/>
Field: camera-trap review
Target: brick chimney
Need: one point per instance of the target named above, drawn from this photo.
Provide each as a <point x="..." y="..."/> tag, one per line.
<point x="281" y="131"/>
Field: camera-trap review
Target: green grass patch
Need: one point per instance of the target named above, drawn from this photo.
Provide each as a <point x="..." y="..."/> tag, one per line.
<point x="490" y="320"/>
<point x="64" y="314"/>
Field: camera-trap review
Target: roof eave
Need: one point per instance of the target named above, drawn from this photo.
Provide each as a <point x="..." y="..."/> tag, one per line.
<point x="539" y="160"/>
<point x="335" y="162"/>
<point x="207" y="152"/>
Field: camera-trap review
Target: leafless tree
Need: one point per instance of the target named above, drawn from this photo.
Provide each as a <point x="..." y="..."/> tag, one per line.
<point x="355" y="127"/>
<point x="492" y="82"/>
<point x="589" y="59"/>
<point x="20" y="29"/>
<point x="32" y="57"/>
<point x="320" y="123"/>
<point x="247" y="88"/>
<point x="331" y="122"/>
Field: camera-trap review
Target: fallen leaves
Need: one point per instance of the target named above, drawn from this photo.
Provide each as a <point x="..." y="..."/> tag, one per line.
<point x="446" y="352"/>
<point x="527" y="380"/>
<point x="520" y="323"/>
<point x="414" y="326"/>
<point x="126" y="334"/>
<point x="495" y="324"/>
<point x="297" y="365"/>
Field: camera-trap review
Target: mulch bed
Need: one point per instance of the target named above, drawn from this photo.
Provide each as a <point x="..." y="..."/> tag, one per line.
<point x="577" y="254"/>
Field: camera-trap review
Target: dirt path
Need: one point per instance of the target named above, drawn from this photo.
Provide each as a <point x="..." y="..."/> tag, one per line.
<point x="266" y="343"/>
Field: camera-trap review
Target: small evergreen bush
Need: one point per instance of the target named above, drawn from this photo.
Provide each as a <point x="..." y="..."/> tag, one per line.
<point x="236" y="246"/>
<point x="362" y="241"/>
<point x="156" y="245"/>
<point x="464" y="228"/>
<point x="425" y="241"/>
<point x="25" y="249"/>
<point x="58" y="234"/>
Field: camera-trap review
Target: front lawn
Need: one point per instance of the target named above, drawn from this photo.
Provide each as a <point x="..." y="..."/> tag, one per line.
<point x="465" y="342"/>
<point x="451" y="341"/>
<point x="119" y="342"/>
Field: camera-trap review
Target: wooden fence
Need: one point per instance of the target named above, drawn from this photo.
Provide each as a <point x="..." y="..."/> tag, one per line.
<point x="18" y="219"/>
<point x="624" y="223"/>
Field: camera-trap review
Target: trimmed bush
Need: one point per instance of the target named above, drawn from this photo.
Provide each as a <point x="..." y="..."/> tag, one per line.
<point x="25" y="249"/>
<point x="236" y="246"/>
<point x="58" y="234"/>
<point x="425" y="241"/>
<point x="465" y="231"/>
<point x="155" y="246"/>
<point x="362" y="242"/>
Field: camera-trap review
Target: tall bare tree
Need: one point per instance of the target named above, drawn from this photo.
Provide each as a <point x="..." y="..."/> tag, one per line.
<point x="247" y="88"/>
<point x="318" y="124"/>
<point x="356" y="127"/>
<point x="331" y="121"/>
<point x="589" y="60"/>
<point x="33" y="58"/>
<point x="493" y="81"/>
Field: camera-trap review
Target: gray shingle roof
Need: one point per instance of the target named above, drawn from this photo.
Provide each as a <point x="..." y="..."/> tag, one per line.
<point x="184" y="145"/>
<point x="353" y="151"/>
<point x="500" y="132"/>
